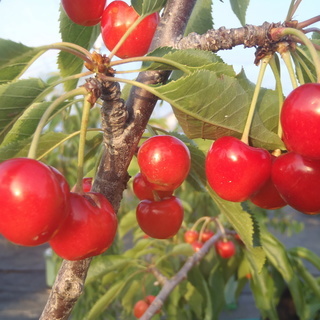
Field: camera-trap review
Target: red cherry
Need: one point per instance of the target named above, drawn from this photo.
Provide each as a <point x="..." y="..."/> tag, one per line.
<point x="89" y="230"/>
<point x="34" y="201"/>
<point x="297" y="179"/>
<point x="197" y="245"/>
<point x="87" y="184"/>
<point x="84" y="12"/>
<point x="268" y="197"/>
<point x="143" y="189"/>
<point x="206" y="235"/>
<point x="160" y="219"/>
<point x="164" y="161"/>
<point x="190" y="236"/>
<point x="300" y="120"/>
<point x="235" y="170"/>
<point x="116" y="20"/>
<point x="225" y="248"/>
<point x="140" y="308"/>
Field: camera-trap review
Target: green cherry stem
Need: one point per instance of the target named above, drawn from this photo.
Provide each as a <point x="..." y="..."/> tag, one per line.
<point x="275" y="67"/>
<point x="72" y="48"/>
<point x="286" y="57"/>
<point x="125" y="36"/>
<point x="70" y="136"/>
<point x="165" y="61"/>
<point x="264" y="63"/>
<point x="280" y="32"/>
<point x="82" y="142"/>
<point x="46" y="115"/>
<point x="205" y="219"/>
<point x="298" y="67"/>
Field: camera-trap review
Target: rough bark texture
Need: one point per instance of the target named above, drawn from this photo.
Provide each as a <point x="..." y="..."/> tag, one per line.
<point x="223" y="39"/>
<point x="123" y="127"/>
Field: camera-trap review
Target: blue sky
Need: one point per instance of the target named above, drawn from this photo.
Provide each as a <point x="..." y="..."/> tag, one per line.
<point x="35" y="22"/>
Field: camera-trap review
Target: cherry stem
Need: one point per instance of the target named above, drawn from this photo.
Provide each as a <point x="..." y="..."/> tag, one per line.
<point x="70" y="136"/>
<point x="82" y="142"/>
<point x="308" y="43"/>
<point x="162" y="60"/>
<point x="204" y="227"/>
<point x="286" y="57"/>
<point x="194" y="227"/>
<point x="276" y="73"/>
<point x="292" y="9"/>
<point x="125" y="36"/>
<point x="220" y="227"/>
<point x="308" y="22"/>
<point x="54" y="84"/>
<point x="263" y="66"/>
<point x="298" y="67"/>
<point x="43" y="121"/>
<point x="303" y="65"/>
<point x="72" y="48"/>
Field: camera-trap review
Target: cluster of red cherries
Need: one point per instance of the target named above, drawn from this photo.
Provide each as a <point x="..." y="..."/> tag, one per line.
<point x="225" y="247"/>
<point x="37" y="206"/>
<point x="115" y="19"/>
<point x="238" y="172"/>
<point x="164" y="163"/>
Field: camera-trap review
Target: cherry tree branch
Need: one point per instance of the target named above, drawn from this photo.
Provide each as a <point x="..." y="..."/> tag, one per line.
<point x="181" y="275"/>
<point x="120" y="145"/>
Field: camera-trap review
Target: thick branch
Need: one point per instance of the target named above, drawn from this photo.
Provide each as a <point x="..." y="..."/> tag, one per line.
<point x="223" y="39"/>
<point x="120" y="148"/>
<point x="179" y="277"/>
<point x="66" y="291"/>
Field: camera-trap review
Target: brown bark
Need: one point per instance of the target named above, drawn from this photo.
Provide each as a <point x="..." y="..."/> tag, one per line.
<point x="124" y="126"/>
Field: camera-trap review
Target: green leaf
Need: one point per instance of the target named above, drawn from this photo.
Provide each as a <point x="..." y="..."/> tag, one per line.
<point x="105" y="300"/>
<point x="201" y="18"/>
<point x="104" y="264"/>
<point x="239" y="7"/>
<point x="197" y="280"/>
<point x="278" y="256"/>
<point x="263" y="289"/>
<point x="16" y="97"/>
<point x="80" y="35"/>
<point x="208" y="107"/>
<point x="191" y="59"/>
<point x="217" y="286"/>
<point x="147" y="7"/>
<point x="20" y="148"/>
<point x="25" y="126"/>
<point x="15" y="58"/>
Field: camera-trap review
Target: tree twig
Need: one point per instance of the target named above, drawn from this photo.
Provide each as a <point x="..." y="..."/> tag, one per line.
<point x="181" y="275"/>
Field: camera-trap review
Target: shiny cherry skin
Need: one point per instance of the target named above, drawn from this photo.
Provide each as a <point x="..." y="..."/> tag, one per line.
<point x="225" y="248"/>
<point x="268" y="197"/>
<point x="235" y="170"/>
<point x="206" y="235"/>
<point x="143" y="190"/>
<point x="300" y="120"/>
<point x="160" y="219"/>
<point x="87" y="184"/>
<point x="116" y="20"/>
<point x="297" y="180"/>
<point x="140" y="308"/>
<point x="190" y="236"/>
<point x="89" y="230"/>
<point x="84" y="12"/>
<point x="164" y="161"/>
<point x="34" y="201"/>
<point x="196" y="246"/>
